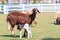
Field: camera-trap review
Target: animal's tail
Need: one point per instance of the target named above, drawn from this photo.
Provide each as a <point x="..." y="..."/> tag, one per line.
<point x="7" y="19"/>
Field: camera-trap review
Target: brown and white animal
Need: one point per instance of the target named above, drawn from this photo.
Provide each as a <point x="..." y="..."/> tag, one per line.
<point x="22" y="20"/>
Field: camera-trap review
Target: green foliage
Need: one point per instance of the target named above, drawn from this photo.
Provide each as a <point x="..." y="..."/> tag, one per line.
<point x="34" y="1"/>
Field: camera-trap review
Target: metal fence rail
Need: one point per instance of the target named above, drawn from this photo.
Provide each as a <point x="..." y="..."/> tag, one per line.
<point x="25" y="7"/>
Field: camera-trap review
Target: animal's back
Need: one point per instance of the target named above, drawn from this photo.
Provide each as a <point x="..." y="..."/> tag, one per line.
<point x="16" y="17"/>
<point x="12" y="18"/>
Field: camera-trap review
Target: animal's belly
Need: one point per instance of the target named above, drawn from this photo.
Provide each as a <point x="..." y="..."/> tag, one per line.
<point x="22" y="19"/>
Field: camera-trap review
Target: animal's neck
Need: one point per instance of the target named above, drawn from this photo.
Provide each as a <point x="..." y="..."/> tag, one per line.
<point x="32" y="16"/>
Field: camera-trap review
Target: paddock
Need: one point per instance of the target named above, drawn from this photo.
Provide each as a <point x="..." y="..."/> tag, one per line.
<point x="44" y="30"/>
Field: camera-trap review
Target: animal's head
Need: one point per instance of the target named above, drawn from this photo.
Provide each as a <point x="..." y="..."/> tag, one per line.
<point x="33" y="15"/>
<point x="35" y="10"/>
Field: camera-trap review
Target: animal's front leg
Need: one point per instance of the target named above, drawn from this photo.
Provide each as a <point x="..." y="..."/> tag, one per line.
<point x="20" y="27"/>
<point x="20" y="34"/>
<point x="26" y="26"/>
<point x="25" y="33"/>
<point x="29" y="34"/>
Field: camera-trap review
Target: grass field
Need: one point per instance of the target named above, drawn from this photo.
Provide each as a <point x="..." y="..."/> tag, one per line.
<point x="44" y="30"/>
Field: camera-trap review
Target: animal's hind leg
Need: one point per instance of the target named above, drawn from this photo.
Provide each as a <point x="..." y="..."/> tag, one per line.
<point x="11" y="29"/>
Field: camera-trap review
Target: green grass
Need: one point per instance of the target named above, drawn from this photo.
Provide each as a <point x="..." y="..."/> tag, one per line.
<point x="44" y="30"/>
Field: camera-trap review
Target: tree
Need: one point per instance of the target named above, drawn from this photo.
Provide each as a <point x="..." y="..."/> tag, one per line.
<point x="34" y="1"/>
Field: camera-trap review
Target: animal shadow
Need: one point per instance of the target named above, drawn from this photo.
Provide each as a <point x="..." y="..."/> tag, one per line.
<point x="55" y="23"/>
<point x="9" y="36"/>
<point x="50" y="38"/>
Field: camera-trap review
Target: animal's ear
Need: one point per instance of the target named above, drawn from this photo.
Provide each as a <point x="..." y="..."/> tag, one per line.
<point x="38" y="11"/>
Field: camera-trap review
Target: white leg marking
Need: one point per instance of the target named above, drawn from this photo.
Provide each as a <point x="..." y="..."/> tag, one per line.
<point x="21" y="34"/>
<point x="26" y="26"/>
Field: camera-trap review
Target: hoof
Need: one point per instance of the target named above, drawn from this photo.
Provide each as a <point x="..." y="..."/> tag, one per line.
<point x="14" y="36"/>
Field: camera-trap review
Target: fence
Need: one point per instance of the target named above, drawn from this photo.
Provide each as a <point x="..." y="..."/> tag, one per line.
<point x="24" y="7"/>
<point x="1" y="8"/>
